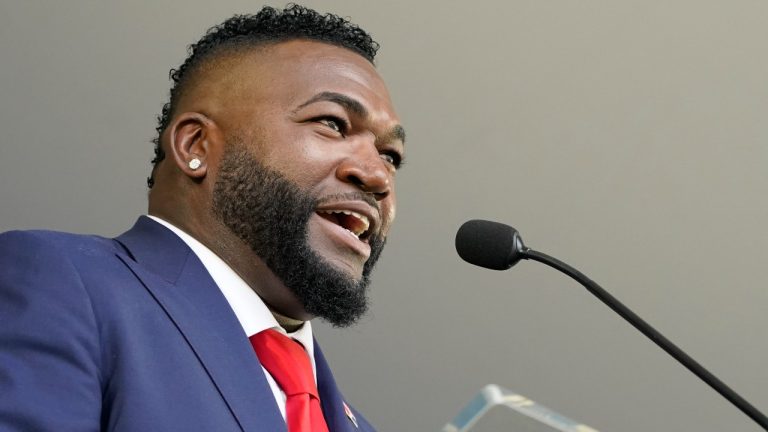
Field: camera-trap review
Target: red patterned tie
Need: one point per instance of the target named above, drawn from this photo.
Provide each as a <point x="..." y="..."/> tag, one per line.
<point x="288" y="363"/>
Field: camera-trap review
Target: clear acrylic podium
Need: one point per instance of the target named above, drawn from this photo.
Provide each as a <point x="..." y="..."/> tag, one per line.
<point x="495" y="409"/>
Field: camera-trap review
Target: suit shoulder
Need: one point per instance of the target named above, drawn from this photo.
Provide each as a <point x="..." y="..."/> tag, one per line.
<point x="44" y="242"/>
<point x="49" y="337"/>
<point x="47" y="258"/>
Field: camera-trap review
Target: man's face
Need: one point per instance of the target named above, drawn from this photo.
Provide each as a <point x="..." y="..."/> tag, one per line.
<point x="319" y="118"/>
<point x="248" y="198"/>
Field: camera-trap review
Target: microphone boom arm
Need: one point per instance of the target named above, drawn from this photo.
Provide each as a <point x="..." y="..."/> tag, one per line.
<point x="650" y="332"/>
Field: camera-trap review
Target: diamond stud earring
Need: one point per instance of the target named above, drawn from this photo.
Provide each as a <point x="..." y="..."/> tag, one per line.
<point x="195" y="163"/>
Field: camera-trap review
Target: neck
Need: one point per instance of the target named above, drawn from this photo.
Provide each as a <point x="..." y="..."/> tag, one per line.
<point x="289" y="324"/>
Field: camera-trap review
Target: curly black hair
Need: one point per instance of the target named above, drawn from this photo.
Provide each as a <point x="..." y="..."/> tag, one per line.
<point x="269" y="25"/>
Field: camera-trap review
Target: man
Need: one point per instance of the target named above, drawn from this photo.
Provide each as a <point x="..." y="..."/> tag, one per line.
<point x="271" y="196"/>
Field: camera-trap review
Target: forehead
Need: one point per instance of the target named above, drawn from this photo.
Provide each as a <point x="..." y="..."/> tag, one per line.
<point x="283" y="75"/>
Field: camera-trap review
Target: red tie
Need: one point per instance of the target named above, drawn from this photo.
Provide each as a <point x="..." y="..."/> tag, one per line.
<point x="288" y="363"/>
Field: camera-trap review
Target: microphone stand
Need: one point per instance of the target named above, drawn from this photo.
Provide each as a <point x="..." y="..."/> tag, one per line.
<point x="650" y="332"/>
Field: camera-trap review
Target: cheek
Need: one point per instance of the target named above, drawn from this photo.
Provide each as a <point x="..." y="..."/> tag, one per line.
<point x="302" y="164"/>
<point x="388" y="210"/>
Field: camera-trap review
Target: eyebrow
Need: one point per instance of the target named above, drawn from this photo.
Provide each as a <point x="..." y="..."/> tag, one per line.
<point x="397" y="133"/>
<point x="350" y="104"/>
<point x="347" y="102"/>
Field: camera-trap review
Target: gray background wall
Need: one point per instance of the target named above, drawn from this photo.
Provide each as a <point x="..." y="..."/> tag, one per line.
<point x="628" y="138"/>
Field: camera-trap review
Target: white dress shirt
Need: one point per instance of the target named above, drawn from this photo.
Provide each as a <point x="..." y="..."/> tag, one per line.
<point x="250" y="310"/>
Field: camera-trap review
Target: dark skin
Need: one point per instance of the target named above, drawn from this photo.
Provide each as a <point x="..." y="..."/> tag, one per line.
<point x="317" y="113"/>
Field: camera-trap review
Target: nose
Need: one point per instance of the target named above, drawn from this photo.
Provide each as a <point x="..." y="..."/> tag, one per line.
<point x="365" y="168"/>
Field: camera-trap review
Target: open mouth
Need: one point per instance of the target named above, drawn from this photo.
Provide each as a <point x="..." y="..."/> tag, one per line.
<point x="355" y="223"/>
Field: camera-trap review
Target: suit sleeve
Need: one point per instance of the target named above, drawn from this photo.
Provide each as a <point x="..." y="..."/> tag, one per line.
<point x="49" y="344"/>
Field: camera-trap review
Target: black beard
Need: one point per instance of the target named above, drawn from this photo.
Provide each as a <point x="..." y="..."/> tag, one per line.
<point x="271" y="215"/>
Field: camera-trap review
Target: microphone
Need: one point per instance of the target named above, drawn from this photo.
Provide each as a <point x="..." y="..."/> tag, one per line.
<point x="497" y="246"/>
<point x="489" y="244"/>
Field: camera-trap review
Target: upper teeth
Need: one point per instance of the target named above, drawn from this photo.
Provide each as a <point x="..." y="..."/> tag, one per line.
<point x="357" y="230"/>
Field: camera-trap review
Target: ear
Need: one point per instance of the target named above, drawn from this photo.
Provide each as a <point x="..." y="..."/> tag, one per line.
<point x="192" y="137"/>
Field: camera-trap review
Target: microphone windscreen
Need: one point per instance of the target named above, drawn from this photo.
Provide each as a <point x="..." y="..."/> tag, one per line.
<point x="488" y="244"/>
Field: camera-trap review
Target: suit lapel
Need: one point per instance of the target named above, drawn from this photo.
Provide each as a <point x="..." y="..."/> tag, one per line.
<point x="179" y="282"/>
<point x="338" y="415"/>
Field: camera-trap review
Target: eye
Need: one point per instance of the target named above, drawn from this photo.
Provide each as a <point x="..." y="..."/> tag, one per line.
<point x="334" y="123"/>
<point x="393" y="159"/>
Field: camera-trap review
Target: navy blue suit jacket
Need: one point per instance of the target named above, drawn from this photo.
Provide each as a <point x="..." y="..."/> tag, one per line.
<point x="129" y="334"/>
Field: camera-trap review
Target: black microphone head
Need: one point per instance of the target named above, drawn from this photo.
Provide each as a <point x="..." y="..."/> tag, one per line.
<point x="489" y="244"/>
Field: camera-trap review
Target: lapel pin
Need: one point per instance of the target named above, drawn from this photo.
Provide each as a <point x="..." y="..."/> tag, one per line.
<point x="350" y="414"/>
